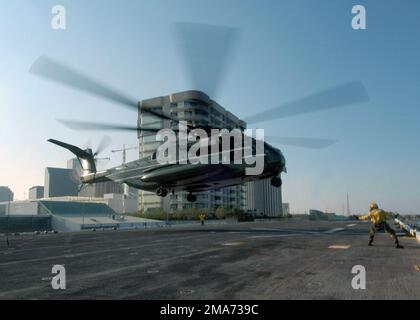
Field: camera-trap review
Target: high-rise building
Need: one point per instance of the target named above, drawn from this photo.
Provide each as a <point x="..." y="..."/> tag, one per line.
<point x="286" y="209"/>
<point x="263" y="199"/>
<point x="6" y="194"/>
<point x="74" y="164"/>
<point x="198" y="109"/>
<point x="60" y="182"/>
<point x="36" y="192"/>
<point x="98" y="190"/>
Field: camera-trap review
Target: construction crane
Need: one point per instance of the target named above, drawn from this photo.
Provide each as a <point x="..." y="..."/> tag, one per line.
<point x="124" y="152"/>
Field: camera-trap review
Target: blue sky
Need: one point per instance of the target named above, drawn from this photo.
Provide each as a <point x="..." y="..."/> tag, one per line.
<point x="287" y="50"/>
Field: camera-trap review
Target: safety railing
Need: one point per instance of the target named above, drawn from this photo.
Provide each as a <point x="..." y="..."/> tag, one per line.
<point x="409" y="229"/>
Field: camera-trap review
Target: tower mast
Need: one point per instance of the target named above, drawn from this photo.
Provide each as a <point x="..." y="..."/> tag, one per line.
<point x="348" y="205"/>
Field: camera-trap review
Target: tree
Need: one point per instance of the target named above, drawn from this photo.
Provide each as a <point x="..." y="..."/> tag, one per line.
<point x="220" y="213"/>
<point x="233" y="213"/>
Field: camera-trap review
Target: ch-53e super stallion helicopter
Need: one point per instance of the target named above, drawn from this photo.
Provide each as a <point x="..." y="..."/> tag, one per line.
<point x="200" y="45"/>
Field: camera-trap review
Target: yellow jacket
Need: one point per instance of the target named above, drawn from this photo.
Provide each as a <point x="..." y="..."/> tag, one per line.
<point x="377" y="216"/>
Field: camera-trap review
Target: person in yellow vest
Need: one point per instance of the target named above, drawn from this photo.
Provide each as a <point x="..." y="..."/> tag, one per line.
<point x="202" y="218"/>
<point x="378" y="218"/>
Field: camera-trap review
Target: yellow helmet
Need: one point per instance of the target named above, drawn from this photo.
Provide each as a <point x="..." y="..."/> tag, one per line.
<point x="373" y="206"/>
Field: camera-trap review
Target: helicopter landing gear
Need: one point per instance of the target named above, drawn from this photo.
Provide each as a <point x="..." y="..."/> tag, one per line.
<point x="276" y="182"/>
<point x="161" y="192"/>
<point x="191" y="198"/>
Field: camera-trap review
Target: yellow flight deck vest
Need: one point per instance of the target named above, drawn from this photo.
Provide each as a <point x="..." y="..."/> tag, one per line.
<point x="377" y="216"/>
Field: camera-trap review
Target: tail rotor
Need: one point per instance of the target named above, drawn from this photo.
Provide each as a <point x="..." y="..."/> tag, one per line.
<point x="87" y="157"/>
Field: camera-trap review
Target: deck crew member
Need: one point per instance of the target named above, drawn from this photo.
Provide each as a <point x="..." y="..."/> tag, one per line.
<point x="378" y="218"/>
<point x="202" y="218"/>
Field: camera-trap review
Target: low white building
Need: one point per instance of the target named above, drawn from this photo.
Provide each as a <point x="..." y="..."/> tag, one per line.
<point x="69" y="214"/>
<point x="121" y="203"/>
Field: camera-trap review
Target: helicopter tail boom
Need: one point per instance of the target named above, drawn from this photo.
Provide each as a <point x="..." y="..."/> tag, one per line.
<point x="85" y="157"/>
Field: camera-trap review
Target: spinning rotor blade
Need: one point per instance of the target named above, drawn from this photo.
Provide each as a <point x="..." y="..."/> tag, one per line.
<point x="88" y="144"/>
<point x="350" y="93"/>
<point x="105" y="143"/>
<point x="56" y="71"/>
<point x="53" y="70"/>
<point x="205" y="51"/>
<point x="310" y="143"/>
<point x="101" y="163"/>
<point x="95" y="126"/>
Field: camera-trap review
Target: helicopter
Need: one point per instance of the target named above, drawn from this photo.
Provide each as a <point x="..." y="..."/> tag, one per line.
<point x="148" y="173"/>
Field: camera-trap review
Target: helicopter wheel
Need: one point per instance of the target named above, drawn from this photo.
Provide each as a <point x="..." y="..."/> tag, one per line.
<point x="276" y="182"/>
<point x="161" y="192"/>
<point x="191" y="198"/>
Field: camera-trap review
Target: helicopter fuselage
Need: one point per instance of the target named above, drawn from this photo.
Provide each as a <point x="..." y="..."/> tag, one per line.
<point x="149" y="175"/>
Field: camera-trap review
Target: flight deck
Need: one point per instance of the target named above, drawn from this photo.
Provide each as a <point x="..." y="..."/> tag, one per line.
<point x="289" y="259"/>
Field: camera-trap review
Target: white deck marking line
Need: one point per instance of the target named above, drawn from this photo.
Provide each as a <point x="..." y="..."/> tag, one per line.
<point x="351" y="225"/>
<point x="236" y="232"/>
<point x="339" y="246"/>
<point x="274" y="236"/>
<point x="236" y="243"/>
<point x="334" y="230"/>
<point x="282" y="230"/>
<point x="266" y="229"/>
